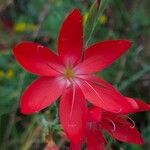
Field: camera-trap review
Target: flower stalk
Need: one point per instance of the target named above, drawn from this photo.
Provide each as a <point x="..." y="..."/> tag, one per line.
<point x="96" y="11"/>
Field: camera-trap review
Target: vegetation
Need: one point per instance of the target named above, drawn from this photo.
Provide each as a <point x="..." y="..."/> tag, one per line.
<point x="40" y="21"/>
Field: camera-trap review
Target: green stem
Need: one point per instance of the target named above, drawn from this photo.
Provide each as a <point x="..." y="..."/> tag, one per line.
<point x="14" y="110"/>
<point x="100" y="11"/>
<point x="134" y="78"/>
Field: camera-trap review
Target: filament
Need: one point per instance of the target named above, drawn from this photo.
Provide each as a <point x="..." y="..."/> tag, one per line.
<point x="133" y="123"/>
<point x="112" y="122"/>
<point x="94" y="90"/>
<point x="73" y="100"/>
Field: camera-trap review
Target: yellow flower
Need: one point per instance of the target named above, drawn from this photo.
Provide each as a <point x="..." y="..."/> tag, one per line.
<point x="85" y="16"/>
<point x="2" y="74"/>
<point x="103" y="19"/>
<point x="10" y="74"/>
<point x="30" y="26"/>
<point x="22" y="26"/>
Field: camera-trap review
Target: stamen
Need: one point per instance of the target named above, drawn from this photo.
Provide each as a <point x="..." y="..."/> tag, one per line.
<point x="73" y="100"/>
<point x="69" y="73"/>
<point x="133" y="123"/>
<point x="112" y="122"/>
<point x="94" y="91"/>
<point x="97" y="83"/>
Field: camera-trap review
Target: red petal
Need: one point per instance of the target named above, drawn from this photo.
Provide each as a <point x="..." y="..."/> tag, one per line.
<point x="36" y="58"/>
<point x="95" y="139"/>
<point x="138" y="105"/>
<point x="103" y="54"/>
<point x="70" y="42"/>
<point x="40" y="94"/>
<point x="115" y="118"/>
<point x="104" y="95"/>
<point x="73" y="114"/>
<point x="124" y="133"/>
<point x="94" y="114"/>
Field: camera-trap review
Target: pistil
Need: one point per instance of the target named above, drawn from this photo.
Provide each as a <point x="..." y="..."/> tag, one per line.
<point x="69" y="73"/>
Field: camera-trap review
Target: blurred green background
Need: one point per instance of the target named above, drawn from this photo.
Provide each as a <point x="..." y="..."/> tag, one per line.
<point x="40" y="21"/>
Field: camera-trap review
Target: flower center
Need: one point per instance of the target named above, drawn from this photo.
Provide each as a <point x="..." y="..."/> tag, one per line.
<point x="69" y="73"/>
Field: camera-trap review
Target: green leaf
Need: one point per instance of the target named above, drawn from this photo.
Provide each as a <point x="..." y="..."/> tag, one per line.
<point x="95" y="12"/>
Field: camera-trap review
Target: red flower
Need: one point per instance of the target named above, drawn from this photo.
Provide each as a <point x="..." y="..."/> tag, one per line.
<point x="70" y="74"/>
<point x="119" y="126"/>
